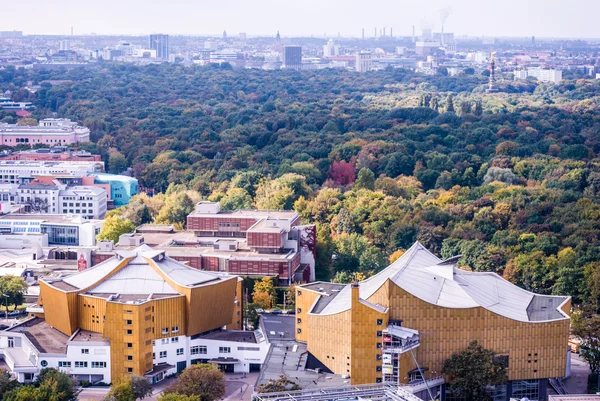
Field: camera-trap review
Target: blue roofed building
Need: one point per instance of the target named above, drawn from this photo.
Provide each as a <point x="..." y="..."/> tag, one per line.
<point x="122" y="188"/>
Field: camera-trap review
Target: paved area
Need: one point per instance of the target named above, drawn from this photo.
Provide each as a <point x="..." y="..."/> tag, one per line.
<point x="288" y="357"/>
<point x="577" y="383"/>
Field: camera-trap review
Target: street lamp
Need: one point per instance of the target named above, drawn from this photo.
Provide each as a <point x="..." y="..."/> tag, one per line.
<point x="6" y="310"/>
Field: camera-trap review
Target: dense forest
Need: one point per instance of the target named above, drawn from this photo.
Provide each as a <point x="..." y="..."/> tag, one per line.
<point x="510" y="181"/>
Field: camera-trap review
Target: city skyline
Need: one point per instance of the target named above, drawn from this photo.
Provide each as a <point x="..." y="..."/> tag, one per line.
<point x="311" y="18"/>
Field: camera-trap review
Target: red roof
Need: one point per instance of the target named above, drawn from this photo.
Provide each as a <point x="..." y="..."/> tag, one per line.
<point x="23" y="113"/>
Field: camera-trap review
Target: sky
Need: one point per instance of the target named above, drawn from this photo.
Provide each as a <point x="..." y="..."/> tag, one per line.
<point x="514" y="18"/>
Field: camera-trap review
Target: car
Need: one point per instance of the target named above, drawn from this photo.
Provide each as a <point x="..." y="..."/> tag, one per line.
<point x="259" y="310"/>
<point x="276" y="312"/>
<point x="290" y="312"/>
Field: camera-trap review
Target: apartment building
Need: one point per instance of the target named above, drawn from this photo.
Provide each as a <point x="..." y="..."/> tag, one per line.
<point x="400" y="325"/>
<point x="139" y="312"/>
<point x="56" y="198"/>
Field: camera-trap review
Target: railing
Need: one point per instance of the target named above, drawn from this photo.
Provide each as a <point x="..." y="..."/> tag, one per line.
<point x="371" y="391"/>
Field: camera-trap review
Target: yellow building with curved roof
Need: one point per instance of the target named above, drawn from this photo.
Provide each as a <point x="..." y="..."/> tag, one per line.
<point x="136" y="299"/>
<point x="401" y="325"/>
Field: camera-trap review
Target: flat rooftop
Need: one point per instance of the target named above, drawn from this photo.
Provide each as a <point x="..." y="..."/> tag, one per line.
<point x="250" y="214"/>
<point x="49" y="218"/>
<point x="330" y="291"/>
<point x="237" y="336"/>
<point x="88" y="336"/>
<point x="44" y="337"/>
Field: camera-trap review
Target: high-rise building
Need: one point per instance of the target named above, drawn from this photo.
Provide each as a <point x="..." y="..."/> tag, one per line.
<point x="160" y="43"/>
<point x="364" y="61"/>
<point x="65" y="44"/>
<point x="292" y="58"/>
<point x="331" y="49"/>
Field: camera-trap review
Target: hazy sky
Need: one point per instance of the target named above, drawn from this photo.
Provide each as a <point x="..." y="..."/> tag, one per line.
<point x="542" y="18"/>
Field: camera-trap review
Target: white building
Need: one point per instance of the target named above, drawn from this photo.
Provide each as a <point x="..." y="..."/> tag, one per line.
<point x="33" y="345"/>
<point x="364" y="61"/>
<point x="88" y="202"/>
<point x="331" y="49"/>
<point x="16" y="171"/>
<point x="542" y="74"/>
<point x="65" y="230"/>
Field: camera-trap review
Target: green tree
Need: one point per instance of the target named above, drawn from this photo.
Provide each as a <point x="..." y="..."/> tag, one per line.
<point x="586" y="326"/>
<point x="365" y="179"/>
<point x="141" y="387"/>
<point x="472" y="370"/>
<point x="63" y="385"/>
<point x="203" y="380"/>
<point x="345" y="224"/>
<point x="264" y="292"/>
<point x="325" y="251"/>
<point x="114" y="227"/>
<point x="7" y="384"/>
<point x="14" y="287"/>
<point x="450" y="104"/>
<point x="116" y="162"/>
<point x="235" y="199"/>
<point x="121" y="390"/>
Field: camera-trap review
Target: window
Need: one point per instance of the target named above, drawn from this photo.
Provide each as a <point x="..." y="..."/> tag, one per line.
<point x="129" y="370"/>
<point x="164" y="341"/>
<point x="130" y="357"/>
<point x="163" y="354"/>
<point x="165" y="330"/>
<point x="379" y="322"/>
<point x="379" y="333"/>
<point x="85" y="351"/>
<point x="179" y="351"/>
<point x="378" y="368"/>
<point x="98" y="365"/>
<point x="175" y="329"/>
<point x="378" y="380"/>
<point x="129" y="345"/>
<point x="129" y="322"/>
<point x="299" y="320"/>
<point x="174" y="339"/>
<point x="224" y="350"/>
<point x="299" y="310"/>
<point x="378" y="345"/>
<point x="198" y="349"/>
<point x="129" y="332"/>
<point x="64" y="364"/>
<point x="299" y="331"/>
<point x="299" y="293"/>
<point x="378" y="357"/>
<point x="80" y="364"/>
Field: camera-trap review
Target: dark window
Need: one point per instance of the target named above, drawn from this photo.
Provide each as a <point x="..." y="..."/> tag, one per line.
<point x="378" y="368"/>
<point x="379" y="322"/>
<point x="379" y="334"/>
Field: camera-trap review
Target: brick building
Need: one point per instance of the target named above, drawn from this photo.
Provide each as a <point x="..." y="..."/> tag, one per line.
<point x="243" y="242"/>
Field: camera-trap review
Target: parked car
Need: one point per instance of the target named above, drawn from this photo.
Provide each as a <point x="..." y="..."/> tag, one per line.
<point x="259" y="310"/>
<point x="276" y="312"/>
<point x="290" y="312"/>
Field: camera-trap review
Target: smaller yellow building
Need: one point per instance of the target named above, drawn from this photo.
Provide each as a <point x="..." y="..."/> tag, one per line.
<point x="140" y="301"/>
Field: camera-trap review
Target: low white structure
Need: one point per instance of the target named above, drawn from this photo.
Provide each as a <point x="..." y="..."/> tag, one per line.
<point x="33" y="345"/>
<point x="60" y="229"/>
<point x="542" y="74"/>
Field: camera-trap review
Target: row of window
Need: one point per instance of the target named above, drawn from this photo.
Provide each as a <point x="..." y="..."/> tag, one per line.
<point x="78" y="204"/>
<point x="174" y="329"/>
<point x="82" y="364"/>
<point x="202" y="349"/>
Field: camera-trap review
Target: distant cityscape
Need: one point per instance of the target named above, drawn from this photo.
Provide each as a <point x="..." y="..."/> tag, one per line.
<point x="428" y="52"/>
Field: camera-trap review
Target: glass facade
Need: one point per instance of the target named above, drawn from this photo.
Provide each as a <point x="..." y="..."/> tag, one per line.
<point x="61" y="235"/>
<point x="529" y="389"/>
